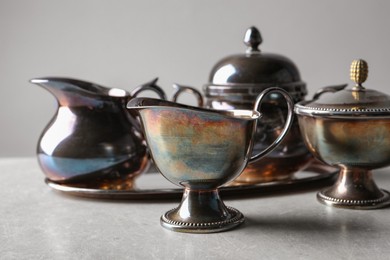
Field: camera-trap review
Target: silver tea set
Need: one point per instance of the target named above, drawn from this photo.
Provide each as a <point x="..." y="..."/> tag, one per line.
<point x="242" y="132"/>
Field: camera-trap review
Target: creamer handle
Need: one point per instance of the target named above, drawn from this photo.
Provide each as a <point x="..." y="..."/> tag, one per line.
<point x="287" y="125"/>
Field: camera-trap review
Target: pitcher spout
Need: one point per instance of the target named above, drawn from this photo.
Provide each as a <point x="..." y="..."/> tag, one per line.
<point x="74" y="92"/>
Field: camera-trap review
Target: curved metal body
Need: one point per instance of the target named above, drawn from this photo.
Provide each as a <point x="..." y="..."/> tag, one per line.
<point x="236" y="81"/>
<point x="356" y="146"/>
<point x="92" y="138"/>
<point x="201" y="149"/>
<point x="350" y="129"/>
<point x="363" y="143"/>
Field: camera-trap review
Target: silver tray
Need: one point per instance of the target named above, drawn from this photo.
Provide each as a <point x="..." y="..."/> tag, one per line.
<point x="152" y="186"/>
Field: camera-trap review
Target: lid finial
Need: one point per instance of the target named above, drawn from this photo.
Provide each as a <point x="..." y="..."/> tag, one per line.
<point x="359" y="73"/>
<point x="252" y="39"/>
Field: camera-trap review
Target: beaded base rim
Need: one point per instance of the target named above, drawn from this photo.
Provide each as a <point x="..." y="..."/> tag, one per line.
<point x="355" y="204"/>
<point x="236" y="219"/>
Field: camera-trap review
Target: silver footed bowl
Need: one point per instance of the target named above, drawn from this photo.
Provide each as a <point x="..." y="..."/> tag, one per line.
<point x="201" y="150"/>
<point x="349" y="129"/>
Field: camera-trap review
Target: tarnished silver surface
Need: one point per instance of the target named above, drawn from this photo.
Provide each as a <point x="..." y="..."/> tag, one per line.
<point x="92" y="138"/>
<point x="201" y="212"/>
<point x="349" y="129"/>
<point x="201" y="150"/>
<point x="241" y="77"/>
<point x="152" y="186"/>
<point x="355" y="188"/>
<point x="234" y="83"/>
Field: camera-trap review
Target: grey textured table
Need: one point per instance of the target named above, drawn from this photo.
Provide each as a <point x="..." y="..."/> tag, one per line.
<point x="39" y="223"/>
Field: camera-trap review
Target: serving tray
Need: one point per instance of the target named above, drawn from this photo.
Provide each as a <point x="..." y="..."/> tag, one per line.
<point x="153" y="186"/>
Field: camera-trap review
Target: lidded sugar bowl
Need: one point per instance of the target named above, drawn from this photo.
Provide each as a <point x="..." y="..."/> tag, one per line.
<point x="235" y="82"/>
<point x="350" y="129"/>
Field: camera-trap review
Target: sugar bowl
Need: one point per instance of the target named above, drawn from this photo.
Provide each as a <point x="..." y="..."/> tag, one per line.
<point x="350" y="129"/>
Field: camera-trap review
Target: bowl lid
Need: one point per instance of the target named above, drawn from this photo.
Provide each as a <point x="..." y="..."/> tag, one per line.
<point x="251" y="72"/>
<point x="355" y="101"/>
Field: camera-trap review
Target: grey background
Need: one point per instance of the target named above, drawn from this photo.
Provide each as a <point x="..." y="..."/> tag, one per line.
<point x="125" y="43"/>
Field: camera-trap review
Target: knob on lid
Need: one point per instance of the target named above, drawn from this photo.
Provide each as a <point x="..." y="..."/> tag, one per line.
<point x="359" y="73"/>
<point x="252" y="39"/>
<point x="356" y="101"/>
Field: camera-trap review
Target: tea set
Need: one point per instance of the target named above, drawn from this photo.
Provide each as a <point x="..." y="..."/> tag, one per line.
<point x="252" y="125"/>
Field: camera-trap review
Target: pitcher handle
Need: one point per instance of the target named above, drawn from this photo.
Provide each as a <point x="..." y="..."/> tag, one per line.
<point x="151" y="85"/>
<point x="287" y="125"/>
<point x="179" y="89"/>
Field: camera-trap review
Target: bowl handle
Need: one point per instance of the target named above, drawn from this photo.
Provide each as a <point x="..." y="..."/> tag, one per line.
<point x="179" y="89"/>
<point x="149" y="86"/>
<point x="287" y="125"/>
<point x="327" y="89"/>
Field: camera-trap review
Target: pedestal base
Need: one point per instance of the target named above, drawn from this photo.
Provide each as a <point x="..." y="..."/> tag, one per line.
<point x="354" y="189"/>
<point x="235" y="219"/>
<point x="201" y="212"/>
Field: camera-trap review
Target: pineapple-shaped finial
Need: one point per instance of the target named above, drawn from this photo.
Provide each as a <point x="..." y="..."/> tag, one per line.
<point x="359" y="73"/>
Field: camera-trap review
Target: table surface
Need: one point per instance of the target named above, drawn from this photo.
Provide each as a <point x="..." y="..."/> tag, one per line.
<point x="39" y="223"/>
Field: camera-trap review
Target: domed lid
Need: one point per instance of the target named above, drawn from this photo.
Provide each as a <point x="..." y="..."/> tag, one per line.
<point x="356" y="101"/>
<point x="249" y="73"/>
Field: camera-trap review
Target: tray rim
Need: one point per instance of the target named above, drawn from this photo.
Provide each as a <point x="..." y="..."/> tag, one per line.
<point x="324" y="175"/>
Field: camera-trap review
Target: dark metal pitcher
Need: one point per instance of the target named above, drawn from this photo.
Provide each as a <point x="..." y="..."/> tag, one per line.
<point x="92" y="140"/>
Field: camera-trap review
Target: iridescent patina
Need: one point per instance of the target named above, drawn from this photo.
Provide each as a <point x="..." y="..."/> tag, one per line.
<point x="360" y="142"/>
<point x="92" y="140"/>
<point x="200" y="150"/>
<point x="350" y="129"/>
<point x="234" y="83"/>
<point x="194" y="145"/>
